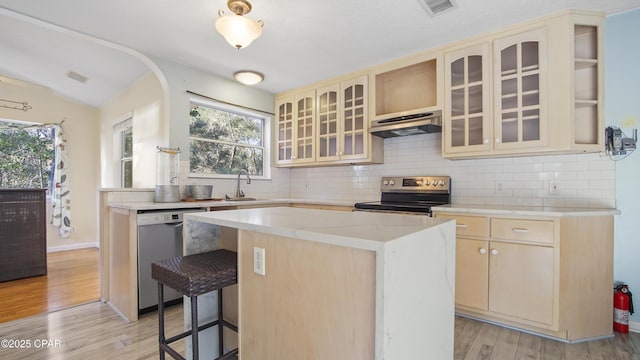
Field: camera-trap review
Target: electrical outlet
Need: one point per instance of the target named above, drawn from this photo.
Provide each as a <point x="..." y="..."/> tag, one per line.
<point x="258" y="261"/>
<point x="498" y="186"/>
<point x="554" y="187"/>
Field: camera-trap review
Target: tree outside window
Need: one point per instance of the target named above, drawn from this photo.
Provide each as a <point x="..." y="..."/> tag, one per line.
<point x="27" y="157"/>
<point x="223" y="141"/>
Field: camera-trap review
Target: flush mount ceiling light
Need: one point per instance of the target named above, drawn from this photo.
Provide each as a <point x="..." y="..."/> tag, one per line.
<point x="248" y="77"/>
<point x="238" y="30"/>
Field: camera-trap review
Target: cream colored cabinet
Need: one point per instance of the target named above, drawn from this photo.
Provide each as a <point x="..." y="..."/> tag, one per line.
<point x="407" y="86"/>
<point x="521" y="281"/>
<point x="541" y="90"/>
<point x="326" y="125"/>
<point x="548" y="275"/>
<point x="342" y="121"/>
<point x="284" y="131"/>
<point x="468" y="114"/>
<point x="295" y="124"/>
<point x="520" y="84"/>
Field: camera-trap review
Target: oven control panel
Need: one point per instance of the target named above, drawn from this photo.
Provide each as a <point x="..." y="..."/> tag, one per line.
<point x="416" y="184"/>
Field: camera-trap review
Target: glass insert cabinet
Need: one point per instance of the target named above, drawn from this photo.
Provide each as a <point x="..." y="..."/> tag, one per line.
<point x="536" y="91"/>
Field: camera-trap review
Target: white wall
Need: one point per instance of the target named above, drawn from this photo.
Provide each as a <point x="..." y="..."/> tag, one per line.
<point x="145" y="101"/>
<point x="623" y="106"/>
<point x="181" y="79"/>
<point x="586" y="180"/>
<point x="81" y="129"/>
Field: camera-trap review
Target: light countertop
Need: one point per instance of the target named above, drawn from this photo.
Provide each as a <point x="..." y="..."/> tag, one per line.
<point x="150" y="205"/>
<point x="523" y="210"/>
<point x="363" y="230"/>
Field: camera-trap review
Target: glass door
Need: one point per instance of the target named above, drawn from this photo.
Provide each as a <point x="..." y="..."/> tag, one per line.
<point x="304" y="129"/>
<point x="468" y="107"/>
<point x="284" y="123"/>
<point x="354" y="120"/>
<point x="328" y="124"/>
<point x="519" y="71"/>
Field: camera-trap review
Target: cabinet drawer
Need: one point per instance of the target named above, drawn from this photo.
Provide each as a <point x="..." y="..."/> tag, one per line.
<point x="469" y="225"/>
<point x="525" y="230"/>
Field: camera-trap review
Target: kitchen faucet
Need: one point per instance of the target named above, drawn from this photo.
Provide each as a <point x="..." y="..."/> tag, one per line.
<point x="239" y="192"/>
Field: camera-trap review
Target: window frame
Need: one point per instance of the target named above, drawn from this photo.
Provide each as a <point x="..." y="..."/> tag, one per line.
<point x="266" y="137"/>
<point x="125" y="159"/>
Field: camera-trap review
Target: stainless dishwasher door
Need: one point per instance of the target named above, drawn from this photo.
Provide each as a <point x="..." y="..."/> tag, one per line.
<point x="159" y="237"/>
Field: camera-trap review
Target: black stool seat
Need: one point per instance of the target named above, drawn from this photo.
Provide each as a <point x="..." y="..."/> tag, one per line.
<point x="194" y="275"/>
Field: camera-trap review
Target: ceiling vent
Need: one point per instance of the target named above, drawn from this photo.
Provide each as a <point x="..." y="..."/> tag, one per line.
<point x="437" y="7"/>
<point x="77" y="77"/>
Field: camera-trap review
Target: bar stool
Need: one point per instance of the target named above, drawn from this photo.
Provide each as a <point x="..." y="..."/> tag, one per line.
<point x="194" y="275"/>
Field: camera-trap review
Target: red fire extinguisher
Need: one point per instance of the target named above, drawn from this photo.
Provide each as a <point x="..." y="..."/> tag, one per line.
<point x="622" y="307"/>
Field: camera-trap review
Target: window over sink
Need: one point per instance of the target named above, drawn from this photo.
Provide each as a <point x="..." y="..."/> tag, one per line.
<point x="224" y="139"/>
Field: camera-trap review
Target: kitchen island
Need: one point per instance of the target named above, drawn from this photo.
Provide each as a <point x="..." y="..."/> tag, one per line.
<point x="337" y="285"/>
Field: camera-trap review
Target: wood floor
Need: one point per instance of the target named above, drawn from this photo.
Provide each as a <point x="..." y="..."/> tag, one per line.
<point x="94" y="331"/>
<point x="72" y="279"/>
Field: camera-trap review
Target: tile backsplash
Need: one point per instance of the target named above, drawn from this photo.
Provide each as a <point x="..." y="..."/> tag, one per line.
<point x="584" y="180"/>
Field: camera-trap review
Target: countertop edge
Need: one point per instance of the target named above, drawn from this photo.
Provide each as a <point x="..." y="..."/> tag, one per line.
<point x="524" y="210"/>
<point x="150" y="205"/>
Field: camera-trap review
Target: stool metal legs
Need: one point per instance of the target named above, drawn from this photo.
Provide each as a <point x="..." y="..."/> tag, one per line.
<point x="161" y="338"/>
<point x="194" y="328"/>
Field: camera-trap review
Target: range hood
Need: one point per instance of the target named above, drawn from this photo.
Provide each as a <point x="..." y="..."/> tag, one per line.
<point x="415" y="124"/>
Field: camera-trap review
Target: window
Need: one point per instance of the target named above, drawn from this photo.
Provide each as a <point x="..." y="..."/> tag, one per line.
<point x="126" y="158"/>
<point x="224" y="139"/>
<point x="27" y="153"/>
<point x="123" y="151"/>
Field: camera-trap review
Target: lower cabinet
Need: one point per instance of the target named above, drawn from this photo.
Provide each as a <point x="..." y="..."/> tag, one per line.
<point x="550" y="275"/>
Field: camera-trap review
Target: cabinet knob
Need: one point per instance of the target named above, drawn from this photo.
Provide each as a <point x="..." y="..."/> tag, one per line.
<point x="494" y="252"/>
<point x="520" y="230"/>
<point x="498" y="140"/>
<point x="462" y="226"/>
<point x="485" y="141"/>
<point x="482" y="251"/>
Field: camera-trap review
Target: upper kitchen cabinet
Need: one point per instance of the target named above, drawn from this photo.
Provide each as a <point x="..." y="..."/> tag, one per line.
<point x="343" y="125"/>
<point x="468" y="111"/>
<point x="295" y="135"/>
<point x="407" y="86"/>
<point x="326" y="125"/>
<point x="533" y="89"/>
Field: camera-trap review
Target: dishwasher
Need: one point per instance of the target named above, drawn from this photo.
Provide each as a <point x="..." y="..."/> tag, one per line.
<point x="159" y="237"/>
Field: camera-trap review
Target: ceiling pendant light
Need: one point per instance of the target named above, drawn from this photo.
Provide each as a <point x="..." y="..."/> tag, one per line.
<point x="238" y="30"/>
<point x="248" y="77"/>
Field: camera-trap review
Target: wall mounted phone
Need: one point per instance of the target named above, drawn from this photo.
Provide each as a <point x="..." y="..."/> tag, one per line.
<point x="616" y="142"/>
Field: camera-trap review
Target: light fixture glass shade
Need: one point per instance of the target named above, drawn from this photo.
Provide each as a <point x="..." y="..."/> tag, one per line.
<point x="239" y="31"/>
<point x="248" y="77"/>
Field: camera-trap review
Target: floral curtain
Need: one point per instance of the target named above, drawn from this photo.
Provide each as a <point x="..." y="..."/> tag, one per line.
<point x="61" y="199"/>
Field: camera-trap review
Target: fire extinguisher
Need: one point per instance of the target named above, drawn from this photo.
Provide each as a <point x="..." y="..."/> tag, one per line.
<point x="622" y="308"/>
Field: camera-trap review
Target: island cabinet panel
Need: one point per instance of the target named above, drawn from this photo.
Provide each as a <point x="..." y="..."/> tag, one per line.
<point x="316" y="301"/>
<point x="550" y="275"/>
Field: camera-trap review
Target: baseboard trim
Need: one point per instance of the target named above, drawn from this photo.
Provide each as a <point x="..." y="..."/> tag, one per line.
<point x="72" y="247"/>
<point x="634" y="326"/>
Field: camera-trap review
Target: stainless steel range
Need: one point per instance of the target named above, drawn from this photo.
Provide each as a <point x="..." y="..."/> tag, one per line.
<point x="410" y="194"/>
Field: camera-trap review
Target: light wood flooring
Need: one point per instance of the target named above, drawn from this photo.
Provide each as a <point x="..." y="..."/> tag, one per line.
<point x="72" y="279"/>
<point x="94" y="331"/>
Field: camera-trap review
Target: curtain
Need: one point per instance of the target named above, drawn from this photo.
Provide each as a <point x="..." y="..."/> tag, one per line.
<point x="61" y="199"/>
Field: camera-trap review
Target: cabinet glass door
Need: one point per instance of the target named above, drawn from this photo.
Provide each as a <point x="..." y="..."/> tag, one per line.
<point x="328" y="123"/>
<point x="304" y="128"/>
<point x="468" y="110"/>
<point x="354" y="121"/>
<point x="285" y="131"/>
<point x="519" y="71"/>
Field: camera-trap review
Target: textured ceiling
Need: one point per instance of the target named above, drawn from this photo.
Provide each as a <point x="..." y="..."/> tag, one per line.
<point x="302" y="42"/>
